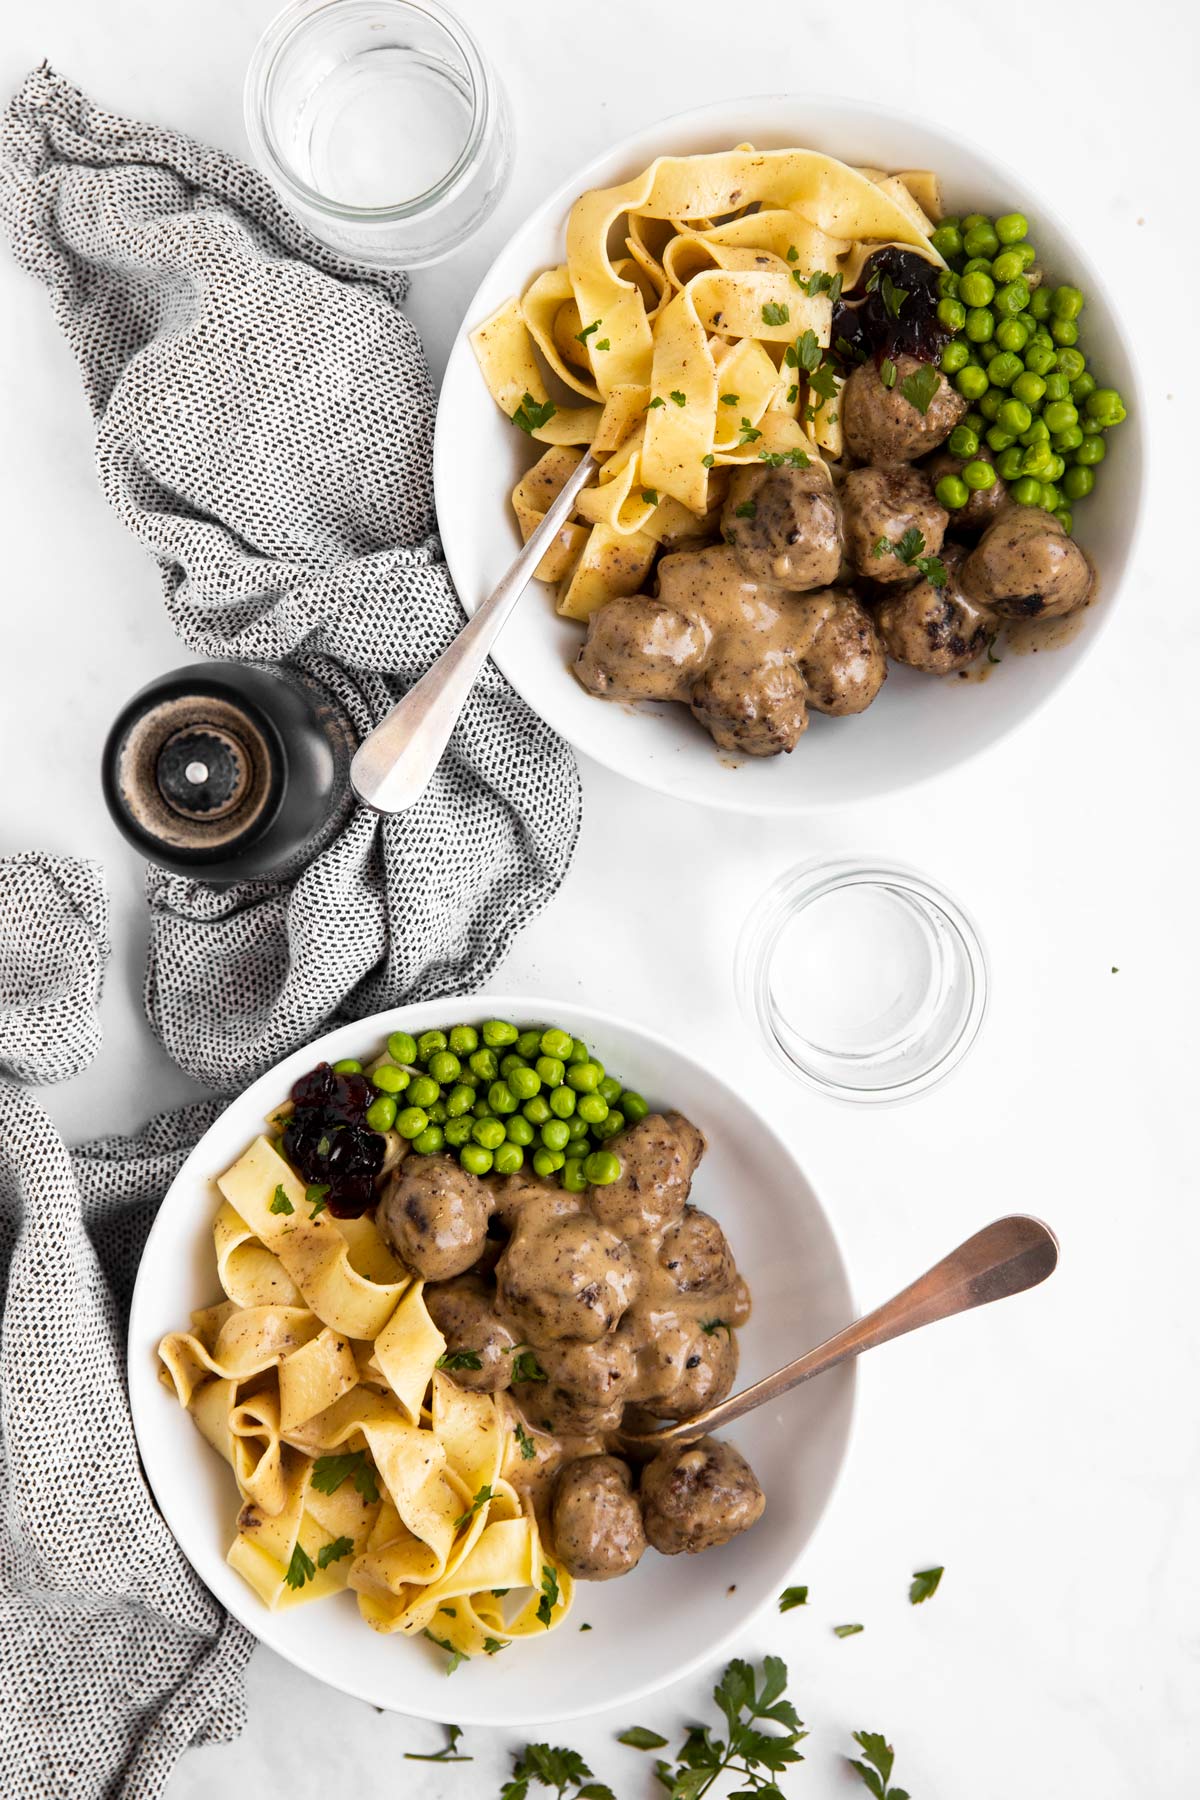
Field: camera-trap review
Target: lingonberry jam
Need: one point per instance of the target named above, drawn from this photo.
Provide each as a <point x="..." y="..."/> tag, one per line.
<point x="328" y="1140"/>
<point x="891" y="311"/>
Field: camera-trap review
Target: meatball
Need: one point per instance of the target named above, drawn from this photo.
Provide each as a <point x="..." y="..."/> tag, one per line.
<point x="984" y="503"/>
<point x="882" y="425"/>
<point x="695" y="1254"/>
<point x="844" y="664"/>
<point x="564" y="1277"/>
<point x="937" y="629"/>
<point x="585" y="1387"/>
<point x="706" y="1376"/>
<point x="658" y="1159"/>
<point x="464" y="1313"/>
<point x="641" y="649"/>
<point x="696" y="1496"/>
<point x="1026" y="567"/>
<point x="434" y="1215"/>
<point x="750" y="700"/>
<point x="878" y="507"/>
<point x="783" y="524"/>
<point x="596" y="1522"/>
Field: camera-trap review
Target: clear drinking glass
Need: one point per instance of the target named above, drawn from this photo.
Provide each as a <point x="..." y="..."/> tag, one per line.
<point x="380" y="126"/>
<point x="866" y="981"/>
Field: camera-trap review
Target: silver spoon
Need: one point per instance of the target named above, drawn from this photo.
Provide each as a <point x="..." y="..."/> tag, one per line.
<point x="395" y="763"/>
<point x="1004" y="1258"/>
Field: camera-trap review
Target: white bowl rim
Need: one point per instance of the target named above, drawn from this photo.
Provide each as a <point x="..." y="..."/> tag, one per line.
<point x="692" y="118"/>
<point x="327" y="1046"/>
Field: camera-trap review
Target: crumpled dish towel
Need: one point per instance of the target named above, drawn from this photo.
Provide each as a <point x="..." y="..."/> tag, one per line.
<point x="265" y="427"/>
<point x="113" y="1655"/>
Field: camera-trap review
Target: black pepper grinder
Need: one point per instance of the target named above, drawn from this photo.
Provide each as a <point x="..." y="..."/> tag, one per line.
<point x="229" y="771"/>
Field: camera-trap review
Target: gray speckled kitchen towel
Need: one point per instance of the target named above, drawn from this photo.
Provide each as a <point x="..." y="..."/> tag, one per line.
<point x="113" y="1655"/>
<point x="264" y="427"/>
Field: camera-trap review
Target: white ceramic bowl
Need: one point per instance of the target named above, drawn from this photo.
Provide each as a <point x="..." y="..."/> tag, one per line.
<point x="918" y="726"/>
<point x="673" y="1613"/>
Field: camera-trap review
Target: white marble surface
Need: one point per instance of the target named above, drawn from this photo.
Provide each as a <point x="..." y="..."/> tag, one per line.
<point x="1047" y="1453"/>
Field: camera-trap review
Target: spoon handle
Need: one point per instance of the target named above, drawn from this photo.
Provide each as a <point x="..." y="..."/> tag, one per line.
<point x="1004" y="1258"/>
<point x="395" y="763"/>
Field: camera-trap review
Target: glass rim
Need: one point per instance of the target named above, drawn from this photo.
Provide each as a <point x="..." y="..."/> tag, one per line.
<point x="799" y="887"/>
<point x="281" y="33"/>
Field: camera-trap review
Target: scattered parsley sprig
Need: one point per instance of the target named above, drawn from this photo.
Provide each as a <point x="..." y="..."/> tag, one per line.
<point x="750" y="1752"/>
<point x="908" y="548"/>
<point x="553" y="1767"/>
<point x="876" y="1771"/>
<point x="447" y="1753"/>
<point x="329" y="1472"/>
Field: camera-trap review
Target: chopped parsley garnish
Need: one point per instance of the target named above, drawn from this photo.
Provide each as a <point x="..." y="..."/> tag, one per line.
<point x="315" y="1194"/>
<point x="482" y="1497"/>
<point x="526" y="1367"/>
<point x="846" y="1630"/>
<point x="650" y="496"/>
<point x="820" y="283"/>
<point x="823" y="383"/>
<point x="881" y="547"/>
<point x="323" y="1146"/>
<point x="747" y="510"/>
<point x="893" y="296"/>
<point x="532" y="414"/>
<point x="925" y="1584"/>
<point x="708" y="461"/>
<point x="588" y="1627"/>
<point x="783" y="459"/>
<point x="679" y="398"/>
<point x="792" y="1597"/>
<point x="549" y="1599"/>
<point x="301" y="1568"/>
<point x="459" y="1359"/>
<point x="640" y="1737"/>
<point x="657" y="401"/>
<point x="793" y="394"/>
<point x="280" y="1202"/>
<point x="747" y="434"/>
<point x="602" y="344"/>
<point x="920" y="387"/>
<point x="491" y="1645"/>
<point x="581" y="337"/>
<point x="553" y="1767"/>
<point x="991" y="645"/>
<point x="887" y="372"/>
<point x="805" y="353"/>
<point x="456" y="1656"/>
<point x="793" y="255"/>
<point x="526" y="1444"/>
<point x="907" y="549"/>
<point x="730" y="399"/>
<point x="329" y="1472"/>
<point x="876" y="1772"/>
<point x="708" y="1326"/>
<point x="448" y="1751"/>
<point x="775" y="313"/>
<point x="331" y="1553"/>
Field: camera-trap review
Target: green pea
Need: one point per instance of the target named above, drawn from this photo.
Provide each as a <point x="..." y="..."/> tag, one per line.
<point x="562" y="1102"/>
<point x="508" y="1159"/>
<point x="444" y="1067"/>
<point x="1038" y="431"/>
<point x="990" y="405"/>
<point x="1029" y="388"/>
<point x="1070" y="439"/>
<point x="529" y="1043"/>
<point x="1008" y="266"/>
<point x="947" y="241"/>
<point x="551" y="1070"/>
<point x="428" y="1043"/>
<point x="999" y="439"/>
<point x="970" y="220"/>
<point x="412" y="1122"/>
<point x="1091" y="450"/>
<point x="1082" y="386"/>
<point x="952" y="314"/>
<point x="1066" y="303"/>
<point x="555" y="1135"/>
<point x="602" y="1168"/>
<point x="579" y="1052"/>
<point x="429" y="1141"/>
<point x="498" y="1032"/>
<point x="518" y="1130"/>
<point x="389" y="1079"/>
<point x="1065" y="517"/>
<point x="1012" y="298"/>
<point x="953" y="358"/>
<point x="976" y="288"/>
<point x="1012" y="227"/>
<point x="1039" y="358"/>
<point x="1105" y="407"/>
<point x="557" y="1043"/>
<point x="423" y="1090"/>
<point x="1012" y="334"/>
<point x="1008" y="464"/>
<point x="1064" y="331"/>
<point x="981" y="240"/>
<point x="488" y="1132"/>
<point x="962" y="441"/>
<point x="593" y="1108"/>
<point x="979" y="474"/>
<point x="481" y="1109"/>
<point x="1026" y="492"/>
<point x="1055" y="469"/>
<point x="524" y="1083"/>
<point x="1059" y="414"/>
<point x="1051" y="498"/>
<point x="573" y="1177"/>
<point x="585" y="1077"/>
<point x="457" y="1132"/>
<point x="980" y="324"/>
<point x="347" y="1065"/>
<point x="402" y="1048"/>
<point x="459" y="1100"/>
<point x="509" y="1062"/>
<point x="971" y="383"/>
<point x="974" y="421"/>
<point x="475" y="1159"/>
<point x="463" y="1039"/>
<point x="610" y="1126"/>
<point x="1039" y="303"/>
<point x="437" y="1112"/>
<point x="1042" y="337"/>
<point x="1036" y="460"/>
<point x="1004" y="369"/>
<point x="485" y="1064"/>
<point x="952" y="492"/>
<point x="609" y="1089"/>
<point x="1078" y="482"/>
<point x="537" y="1110"/>
<point x="1014" y="416"/>
<point x="1071" y="363"/>
<point x="633" y="1106"/>
<point x="546" y="1162"/>
<point x="501" y="1098"/>
<point x="577" y="1127"/>
<point x="381" y="1114"/>
<point x="1057" y="386"/>
<point x="948" y="285"/>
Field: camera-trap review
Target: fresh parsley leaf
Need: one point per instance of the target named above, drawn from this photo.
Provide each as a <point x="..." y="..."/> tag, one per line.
<point x="588" y="1627"/>
<point x="708" y="1326"/>
<point x="555" y="1768"/>
<point x="881" y="547"/>
<point x="459" y="1359"/>
<point x="991" y="645"/>
<point x="482" y="1497"/>
<point x="893" y="296"/>
<point x="331" y="1553"/>
<point x="708" y="461"/>
<point x="820" y="283"/>
<point x="747" y="510"/>
<point x="792" y="1597"/>
<point x="920" y="387"/>
<point x="323" y="1146"/>
<point x="747" y="433"/>
<point x="909" y="545"/>
<point x="493" y="1646"/>
<point x="602" y="344"/>
<point x="456" y="1656"/>
<point x="532" y="414"/>
<point x="876" y="1771"/>
<point x="549" y="1599"/>
<point x="776" y="313"/>
<point x="650" y="496"/>
<point x="581" y="337"/>
<point x="679" y="398"/>
<point x="846" y="1630"/>
<point x="280" y="1202"/>
<point x="793" y="255"/>
<point x="823" y="382"/>
<point x="525" y="1443"/>
<point x="730" y="399"/>
<point x="925" y="1584"/>
<point x="315" y="1194"/>
<point x="750" y="1748"/>
<point x="657" y="401"/>
<point x="793" y="394"/>
<point x="808" y="351"/>
<point x="300" y="1569"/>
<point x="887" y="372"/>
<point x="799" y="280"/>
<point x="526" y="1367"/>
<point x="448" y="1751"/>
<point x="933" y="569"/>
<point x="640" y="1737"/>
<point x="329" y="1472"/>
<point x="783" y="459"/>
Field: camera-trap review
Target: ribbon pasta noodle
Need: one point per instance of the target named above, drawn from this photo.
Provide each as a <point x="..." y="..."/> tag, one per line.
<point x="359" y="1465"/>
<point x="679" y="355"/>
